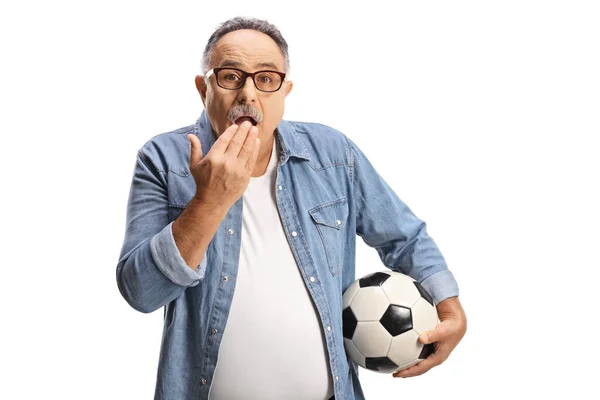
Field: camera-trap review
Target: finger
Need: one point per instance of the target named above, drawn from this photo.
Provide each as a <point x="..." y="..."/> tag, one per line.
<point x="440" y="332"/>
<point x="223" y="141"/>
<point x="248" y="147"/>
<point x="195" y="149"/>
<point x="252" y="160"/>
<point x="423" y="366"/>
<point x="237" y="141"/>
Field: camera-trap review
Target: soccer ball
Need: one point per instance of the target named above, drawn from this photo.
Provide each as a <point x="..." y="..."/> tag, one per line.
<point x="383" y="315"/>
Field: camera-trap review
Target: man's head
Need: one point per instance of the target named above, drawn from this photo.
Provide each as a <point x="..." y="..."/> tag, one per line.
<point x="249" y="45"/>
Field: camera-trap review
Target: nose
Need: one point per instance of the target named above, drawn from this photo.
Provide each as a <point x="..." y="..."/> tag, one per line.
<point x="247" y="93"/>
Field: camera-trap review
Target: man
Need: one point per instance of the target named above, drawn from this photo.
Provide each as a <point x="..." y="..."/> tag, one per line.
<point x="243" y="227"/>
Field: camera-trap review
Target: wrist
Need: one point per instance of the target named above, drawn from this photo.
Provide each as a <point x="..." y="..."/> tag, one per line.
<point x="204" y="207"/>
<point x="451" y="308"/>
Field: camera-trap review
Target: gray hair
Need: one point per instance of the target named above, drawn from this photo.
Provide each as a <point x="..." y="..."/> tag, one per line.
<point x="238" y="23"/>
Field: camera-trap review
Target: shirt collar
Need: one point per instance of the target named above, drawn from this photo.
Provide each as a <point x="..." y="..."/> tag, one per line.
<point x="290" y="143"/>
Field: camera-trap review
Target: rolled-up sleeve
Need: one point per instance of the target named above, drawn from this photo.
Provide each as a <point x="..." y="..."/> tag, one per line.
<point x="169" y="261"/>
<point x="151" y="272"/>
<point x="387" y="224"/>
<point x="441" y="285"/>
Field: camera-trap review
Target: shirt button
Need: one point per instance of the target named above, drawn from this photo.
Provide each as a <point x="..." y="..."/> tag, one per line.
<point x="280" y="187"/>
<point x="337" y="378"/>
<point x="312" y="278"/>
<point x="338" y="222"/>
<point x="230" y="231"/>
<point x="329" y="328"/>
<point x="214" y="331"/>
<point x="203" y="381"/>
<point x="225" y="278"/>
<point x="294" y="233"/>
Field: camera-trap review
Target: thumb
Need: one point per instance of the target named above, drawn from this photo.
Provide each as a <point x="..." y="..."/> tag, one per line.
<point x="434" y="335"/>
<point x="195" y="149"/>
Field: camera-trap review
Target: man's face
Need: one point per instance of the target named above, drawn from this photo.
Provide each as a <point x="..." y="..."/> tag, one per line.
<point x="249" y="51"/>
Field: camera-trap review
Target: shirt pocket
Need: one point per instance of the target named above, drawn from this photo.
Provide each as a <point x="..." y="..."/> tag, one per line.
<point x="330" y="220"/>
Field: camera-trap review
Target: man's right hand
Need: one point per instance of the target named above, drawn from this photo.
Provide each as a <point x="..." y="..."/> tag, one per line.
<point x="224" y="173"/>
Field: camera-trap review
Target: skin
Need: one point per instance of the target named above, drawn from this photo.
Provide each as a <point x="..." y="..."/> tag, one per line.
<point x="250" y="51"/>
<point x="242" y="151"/>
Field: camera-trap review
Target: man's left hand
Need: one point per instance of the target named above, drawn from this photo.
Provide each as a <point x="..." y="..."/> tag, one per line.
<point x="445" y="336"/>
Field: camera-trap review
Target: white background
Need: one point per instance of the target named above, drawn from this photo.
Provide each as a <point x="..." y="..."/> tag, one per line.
<point x="487" y="130"/>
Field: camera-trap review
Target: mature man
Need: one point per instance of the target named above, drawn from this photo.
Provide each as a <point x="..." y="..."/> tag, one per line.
<point x="243" y="227"/>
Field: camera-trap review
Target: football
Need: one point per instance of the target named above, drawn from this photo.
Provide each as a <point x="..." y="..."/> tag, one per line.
<point x="383" y="315"/>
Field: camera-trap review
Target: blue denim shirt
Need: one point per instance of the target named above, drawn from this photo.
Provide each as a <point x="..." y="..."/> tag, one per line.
<point x="327" y="193"/>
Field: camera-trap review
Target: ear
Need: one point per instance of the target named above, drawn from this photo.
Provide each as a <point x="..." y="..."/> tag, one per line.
<point x="287" y="87"/>
<point x="201" y="86"/>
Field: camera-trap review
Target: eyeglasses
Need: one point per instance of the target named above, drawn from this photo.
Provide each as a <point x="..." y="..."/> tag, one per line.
<point x="233" y="79"/>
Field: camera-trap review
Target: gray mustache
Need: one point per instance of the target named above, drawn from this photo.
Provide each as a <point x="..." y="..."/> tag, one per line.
<point x="243" y="109"/>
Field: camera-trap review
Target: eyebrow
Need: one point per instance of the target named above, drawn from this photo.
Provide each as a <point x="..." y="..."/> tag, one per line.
<point x="237" y="64"/>
<point x="267" y="65"/>
<point x="231" y="63"/>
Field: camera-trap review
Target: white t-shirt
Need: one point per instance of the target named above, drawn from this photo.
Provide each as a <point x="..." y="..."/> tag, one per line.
<point x="273" y="346"/>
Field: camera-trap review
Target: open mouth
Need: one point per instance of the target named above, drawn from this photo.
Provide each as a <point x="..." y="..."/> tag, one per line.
<point x="241" y="120"/>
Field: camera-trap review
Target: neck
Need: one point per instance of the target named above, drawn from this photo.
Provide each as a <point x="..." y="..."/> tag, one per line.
<point x="264" y="156"/>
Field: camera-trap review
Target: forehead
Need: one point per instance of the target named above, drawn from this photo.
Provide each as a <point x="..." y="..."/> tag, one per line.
<point x="248" y="49"/>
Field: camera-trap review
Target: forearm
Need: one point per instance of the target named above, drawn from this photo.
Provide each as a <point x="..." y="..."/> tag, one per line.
<point x="194" y="229"/>
<point x="157" y="271"/>
<point x="159" y="259"/>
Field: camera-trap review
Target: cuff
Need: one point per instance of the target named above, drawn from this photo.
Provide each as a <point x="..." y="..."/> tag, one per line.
<point x="169" y="261"/>
<point x="440" y="286"/>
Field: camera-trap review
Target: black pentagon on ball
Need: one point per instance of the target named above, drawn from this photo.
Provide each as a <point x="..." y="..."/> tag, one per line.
<point x="397" y="320"/>
<point x="426" y="351"/>
<point x="375" y="279"/>
<point x="424" y="293"/>
<point x="348" y="323"/>
<point x="381" y="364"/>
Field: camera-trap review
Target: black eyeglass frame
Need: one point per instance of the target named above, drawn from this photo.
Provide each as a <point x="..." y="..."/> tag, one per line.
<point x="245" y="76"/>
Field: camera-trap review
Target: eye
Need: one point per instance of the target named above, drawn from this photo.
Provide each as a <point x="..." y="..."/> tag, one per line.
<point x="231" y="77"/>
<point x="266" y="78"/>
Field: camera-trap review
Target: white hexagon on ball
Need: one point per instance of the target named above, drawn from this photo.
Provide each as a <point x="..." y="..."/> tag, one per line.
<point x="354" y="353"/>
<point x="369" y="303"/>
<point x="424" y="316"/>
<point x="371" y="339"/>
<point x="405" y="348"/>
<point x="401" y="290"/>
<point x="349" y="294"/>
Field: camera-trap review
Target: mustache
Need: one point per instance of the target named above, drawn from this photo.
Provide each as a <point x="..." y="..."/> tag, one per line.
<point x="244" y="109"/>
